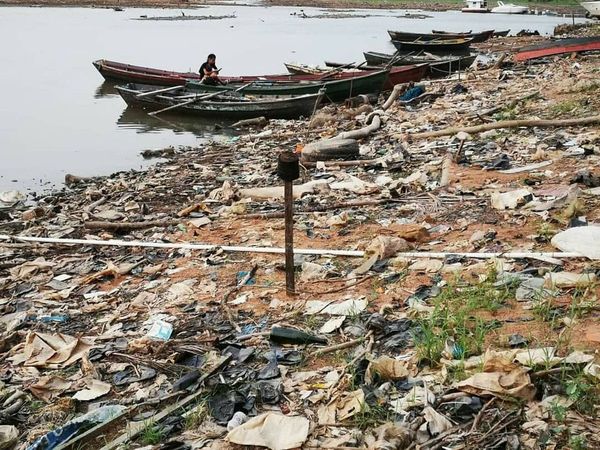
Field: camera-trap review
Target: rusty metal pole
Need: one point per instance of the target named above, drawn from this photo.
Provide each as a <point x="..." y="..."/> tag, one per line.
<point x="288" y="169"/>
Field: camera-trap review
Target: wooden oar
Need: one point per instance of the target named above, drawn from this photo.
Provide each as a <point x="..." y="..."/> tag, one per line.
<point x="334" y="71"/>
<point x="394" y="59"/>
<point x="159" y="91"/>
<point x="339" y="69"/>
<point x="200" y="97"/>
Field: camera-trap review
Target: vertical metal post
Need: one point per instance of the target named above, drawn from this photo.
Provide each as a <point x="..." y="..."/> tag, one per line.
<point x="288" y="169"/>
<point x="290" y="284"/>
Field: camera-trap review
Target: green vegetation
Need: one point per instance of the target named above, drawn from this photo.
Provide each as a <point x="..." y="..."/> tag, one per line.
<point x="151" y="434"/>
<point x="196" y="416"/>
<point x="566" y="106"/>
<point x="558" y="411"/>
<point x="583" y="392"/>
<point x="508" y="113"/>
<point x="371" y="416"/>
<point x="454" y="321"/>
<point x="577" y="443"/>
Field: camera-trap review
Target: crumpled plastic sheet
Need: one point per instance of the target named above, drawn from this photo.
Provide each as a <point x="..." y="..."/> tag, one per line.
<point x="69" y="430"/>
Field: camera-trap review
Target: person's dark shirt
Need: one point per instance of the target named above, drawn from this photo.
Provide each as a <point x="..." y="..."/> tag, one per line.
<point x="209" y="67"/>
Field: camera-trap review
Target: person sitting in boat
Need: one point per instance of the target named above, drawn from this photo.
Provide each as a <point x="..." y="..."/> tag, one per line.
<point x="209" y="71"/>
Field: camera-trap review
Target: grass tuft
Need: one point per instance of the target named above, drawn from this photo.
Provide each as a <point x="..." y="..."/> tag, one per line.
<point x="453" y="320"/>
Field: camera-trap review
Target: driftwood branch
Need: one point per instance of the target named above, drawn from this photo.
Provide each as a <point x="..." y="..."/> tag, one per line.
<point x="335" y="348"/>
<point x="542" y="123"/>
<point x="330" y="149"/>
<point x="257" y="121"/>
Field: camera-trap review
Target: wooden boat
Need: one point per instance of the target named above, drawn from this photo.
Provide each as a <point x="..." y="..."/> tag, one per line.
<point x="223" y="105"/>
<point x="480" y="36"/>
<point x="303" y="69"/>
<point x="397" y="75"/>
<point x="438" y="67"/>
<point x="115" y="71"/>
<point x="436" y="35"/>
<point x="338" y="87"/>
<point x="558" y="47"/>
<point x="435" y="45"/>
<point x="502" y="33"/>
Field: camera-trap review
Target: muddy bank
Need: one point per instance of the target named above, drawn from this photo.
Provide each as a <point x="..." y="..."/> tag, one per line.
<point x="469" y="318"/>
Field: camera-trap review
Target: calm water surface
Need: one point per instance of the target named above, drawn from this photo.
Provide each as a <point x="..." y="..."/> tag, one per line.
<point x="57" y="116"/>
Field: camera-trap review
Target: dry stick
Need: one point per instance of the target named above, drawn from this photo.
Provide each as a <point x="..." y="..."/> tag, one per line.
<point x="480" y="414"/>
<point x="543" y="373"/>
<point x="500" y="425"/>
<point x="106" y="225"/>
<point x="333" y="291"/>
<point x="509" y="124"/>
<point x="335" y="348"/>
<point x="92" y="206"/>
<point x="440" y="437"/>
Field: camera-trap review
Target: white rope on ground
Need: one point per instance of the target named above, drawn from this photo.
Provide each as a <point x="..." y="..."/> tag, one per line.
<point x="187" y="246"/>
<point x="281" y="250"/>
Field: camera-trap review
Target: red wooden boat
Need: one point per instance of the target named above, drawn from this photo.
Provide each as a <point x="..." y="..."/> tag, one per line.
<point x="115" y="71"/>
<point x="558" y="47"/>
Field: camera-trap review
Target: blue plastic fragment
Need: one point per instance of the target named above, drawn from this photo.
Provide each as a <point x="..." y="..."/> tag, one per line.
<point x="412" y="93"/>
<point x="240" y="277"/>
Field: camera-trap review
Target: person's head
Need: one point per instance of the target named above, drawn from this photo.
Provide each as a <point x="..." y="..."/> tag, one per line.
<point x="211" y="59"/>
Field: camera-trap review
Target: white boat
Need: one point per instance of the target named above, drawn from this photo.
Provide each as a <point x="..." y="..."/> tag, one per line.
<point x="509" y="8"/>
<point x="592" y="9"/>
<point x="476" y="6"/>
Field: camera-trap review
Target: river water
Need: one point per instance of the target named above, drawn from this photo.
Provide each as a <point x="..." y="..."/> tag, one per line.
<point x="57" y="116"/>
